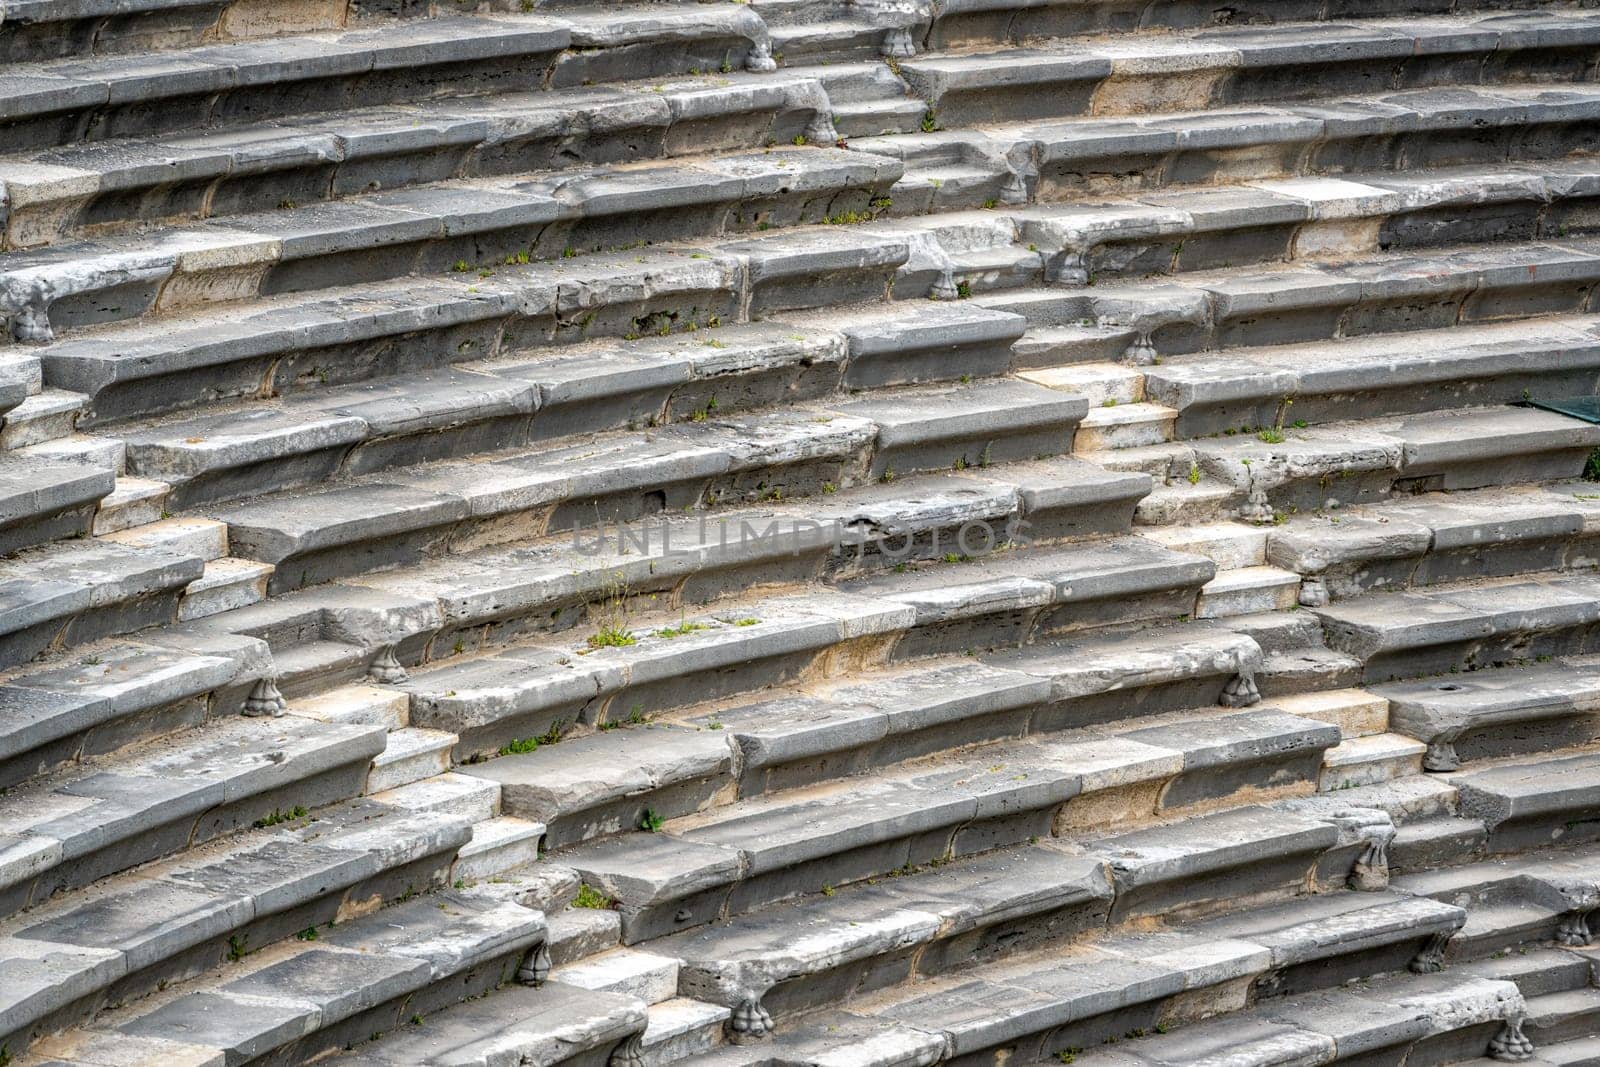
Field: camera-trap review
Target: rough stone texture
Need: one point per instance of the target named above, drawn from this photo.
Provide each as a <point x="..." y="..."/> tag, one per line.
<point x="831" y="532"/>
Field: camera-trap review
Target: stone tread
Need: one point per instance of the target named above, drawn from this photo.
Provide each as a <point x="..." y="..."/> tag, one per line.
<point x="66" y="952"/>
<point x="173" y="794"/>
<point x="341" y="972"/>
<point x="54" y="191"/>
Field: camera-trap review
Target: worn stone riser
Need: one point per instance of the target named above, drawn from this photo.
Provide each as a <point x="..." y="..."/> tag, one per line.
<point x="1124" y="175"/>
<point x="300" y="182"/>
<point x="1492" y="560"/>
<point x="1080" y="94"/>
<point x="1505" y="650"/>
<point x="147" y="118"/>
<point x="1001" y="23"/>
<point x="43" y="38"/>
<point x="423" y="231"/>
<point x="194" y="960"/>
<point x="476" y="981"/>
<point x="678" y="694"/>
<point x="1413" y="398"/>
<point x="329" y="787"/>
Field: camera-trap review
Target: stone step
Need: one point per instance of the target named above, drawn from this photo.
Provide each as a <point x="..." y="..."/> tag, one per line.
<point x="1488" y="714"/>
<point x="132" y="503"/>
<point x="1274" y="309"/>
<point x="1113" y="426"/>
<point x="1339" y="464"/>
<point x="488" y="596"/>
<point x="1581" y="1052"/>
<point x="516" y="1023"/>
<point x="1366" y="377"/>
<point x="75" y="828"/>
<point x="729" y="860"/>
<point x="874" y="118"/>
<point x="77" y="592"/>
<point x="650" y="977"/>
<point x="631" y="477"/>
<point x="409" y="755"/>
<point x="339" y="984"/>
<point x="1369" y="760"/>
<point x="680" y="1028"/>
<point x="1429" y="843"/>
<point x="976" y="22"/>
<point x="1438" y="538"/>
<point x="50" y="29"/>
<point x="104" y="185"/>
<point x="603" y="784"/>
<point x="44" y="416"/>
<point x="204" y="539"/>
<point x="1409" y="635"/>
<point x="1246" y="65"/>
<point x="1121" y="990"/>
<point x="1566" y="1016"/>
<point x="226" y="584"/>
<point x="1536" y="972"/>
<point x="365" y="704"/>
<point x="1230" y="545"/>
<point x="1528" y="802"/>
<point x="459" y="228"/>
<point x="361" y="428"/>
<point x="1248" y="590"/>
<point x="82" y="449"/>
<point x="771" y="965"/>
<point x="498" y="845"/>
<point x="522" y="692"/>
<point x="1356" y="712"/>
<point x="1441" y="1018"/>
<point x="142" y="931"/>
<point x="43" y="501"/>
<point x="1056" y="159"/>
<point x="116" y="694"/>
<point x="120" y="96"/>
<point x="1095" y="382"/>
<point x="842" y="40"/>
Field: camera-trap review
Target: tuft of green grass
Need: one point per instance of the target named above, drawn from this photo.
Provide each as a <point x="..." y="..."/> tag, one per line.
<point x="590" y="897"/>
<point x="1591" y="468"/>
<point x="650" y="821"/>
<point x="612" y="635"/>
<point x="279" y="816"/>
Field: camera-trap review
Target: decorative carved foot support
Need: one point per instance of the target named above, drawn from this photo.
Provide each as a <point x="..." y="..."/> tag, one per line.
<point x="1313" y="592"/>
<point x="1142" y="353"/>
<point x="1240" y="692"/>
<point x="628" y="1054"/>
<point x="385" y="669"/>
<point x="897" y="43"/>
<point x="750" y="1022"/>
<point x="760" y="58"/>
<point x="1015" y="190"/>
<point x="1574" y="930"/>
<point x="1441" y="756"/>
<point x="822" y="131"/>
<point x="945" y="287"/>
<point x="264" y="701"/>
<point x="30" y="324"/>
<point x="535" y="966"/>
<point x="1069" y="268"/>
<point x="1431" y="959"/>
<point x="1510" y="1045"/>
<point x="1371" y="870"/>
<point x="1256" y="508"/>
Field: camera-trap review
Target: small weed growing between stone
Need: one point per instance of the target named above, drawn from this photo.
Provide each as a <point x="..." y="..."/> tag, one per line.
<point x="592" y="898"/>
<point x="278" y="816"/>
<point x="650" y="821"/>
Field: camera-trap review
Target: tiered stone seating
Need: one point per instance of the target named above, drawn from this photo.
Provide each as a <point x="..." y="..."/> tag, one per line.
<point x="828" y="532"/>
